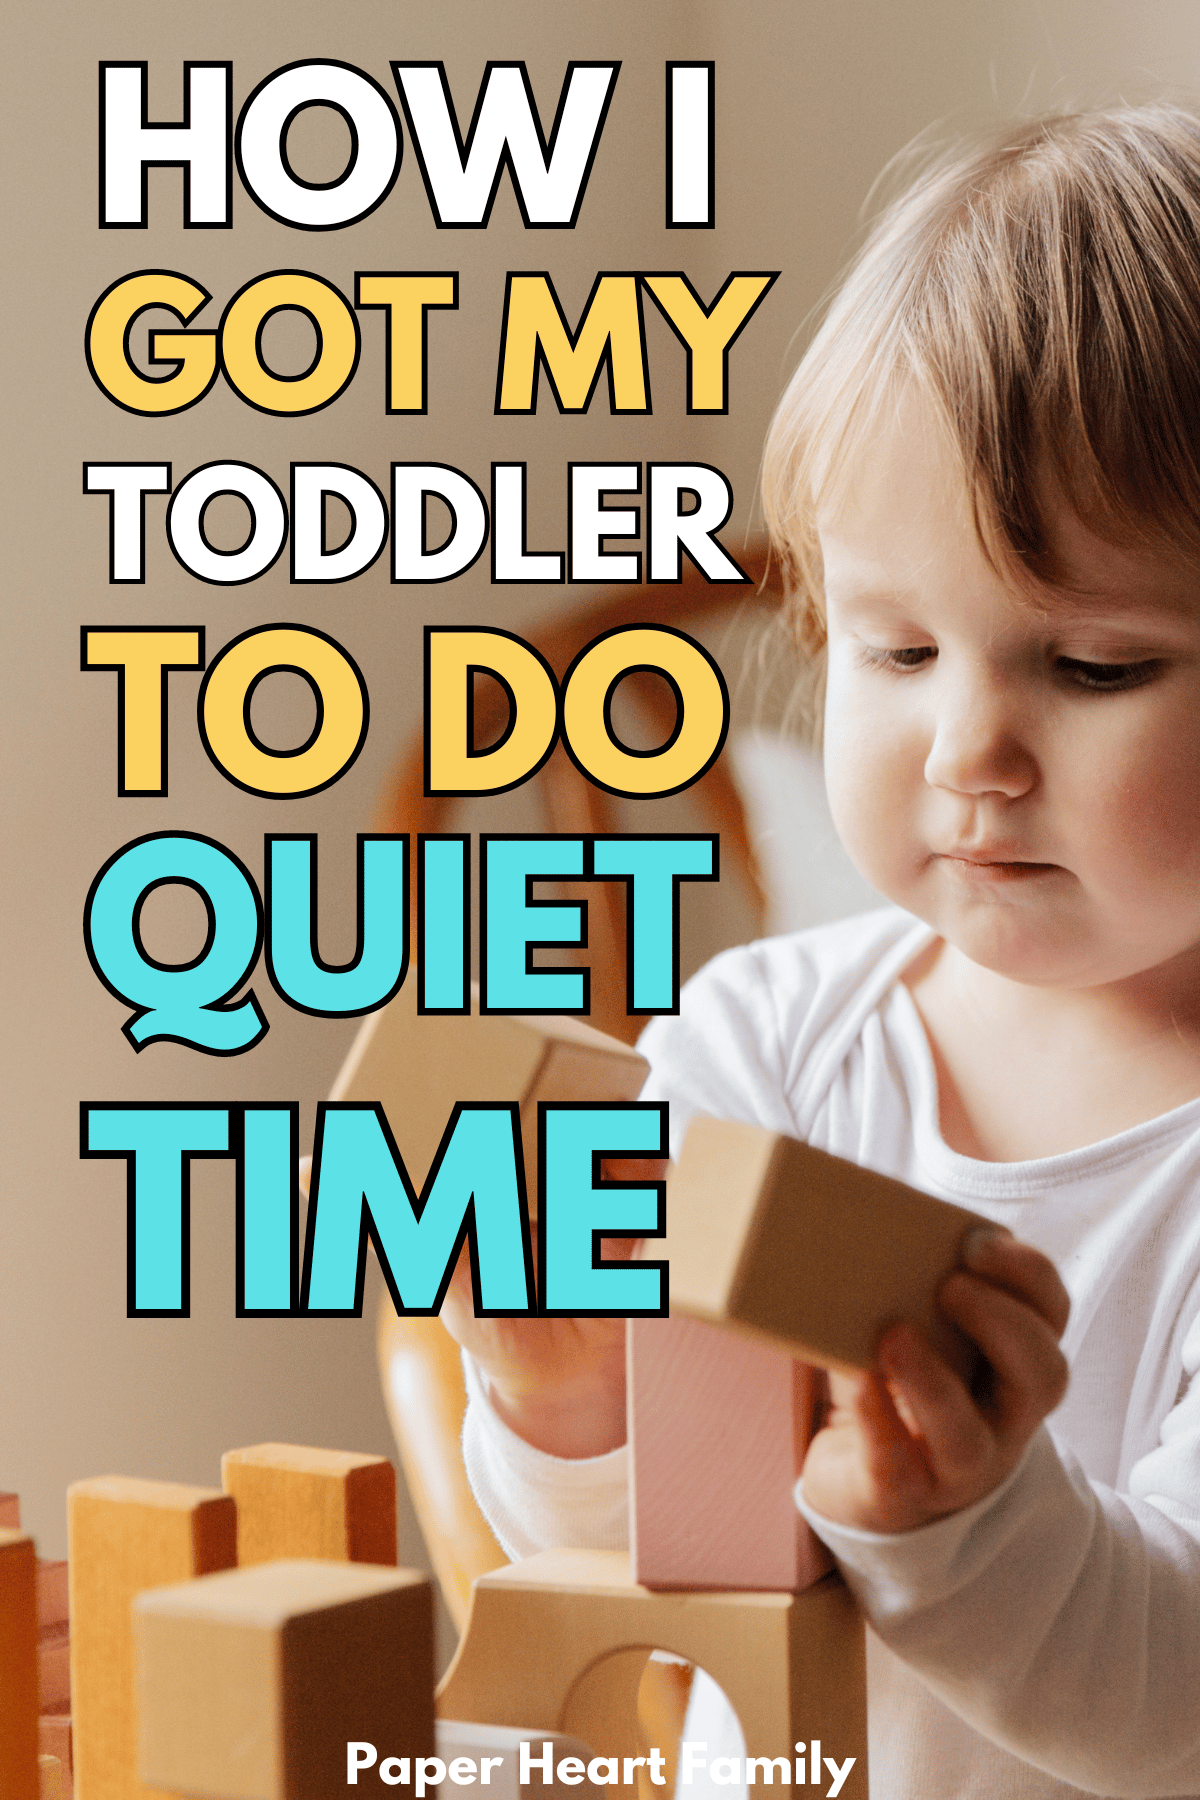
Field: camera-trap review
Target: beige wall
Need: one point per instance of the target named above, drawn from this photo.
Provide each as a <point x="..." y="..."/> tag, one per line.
<point x="813" y="99"/>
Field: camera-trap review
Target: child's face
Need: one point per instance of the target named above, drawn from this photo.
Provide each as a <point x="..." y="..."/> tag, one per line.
<point x="1024" y="777"/>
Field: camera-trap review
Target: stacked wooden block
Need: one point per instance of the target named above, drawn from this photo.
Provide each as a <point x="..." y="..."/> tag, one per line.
<point x="718" y="1430"/>
<point x="242" y="1643"/>
<point x="784" y="1262"/>
<point x="312" y="1650"/>
<point x="196" y="1671"/>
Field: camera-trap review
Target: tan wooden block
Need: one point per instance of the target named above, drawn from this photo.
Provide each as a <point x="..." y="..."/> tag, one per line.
<point x="771" y="1236"/>
<point x="293" y="1501"/>
<point x="457" y="1738"/>
<point x="123" y="1536"/>
<point x="418" y="1067"/>
<point x="18" y="1668"/>
<point x="540" y="1631"/>
<point x="718" y="1428"/>
<point x="251" y="1684"/>
<point x="54" y="1739"/>
<point x="52" y="1602"/>
<point x="10" y="1512"/>
<point x="50" y="1782"/>
<point x="54" y="1670"/>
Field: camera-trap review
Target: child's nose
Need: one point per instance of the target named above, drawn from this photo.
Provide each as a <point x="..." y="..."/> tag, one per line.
<point x="978" y="746"/>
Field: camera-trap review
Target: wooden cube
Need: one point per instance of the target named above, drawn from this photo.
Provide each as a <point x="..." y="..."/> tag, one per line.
<point x="817" y="1254"/>
<point x="718" y="1428"/>
<point x="417" y="1067"/>
<point x="293" y="1501"/>
<point x="251" y="1684"/>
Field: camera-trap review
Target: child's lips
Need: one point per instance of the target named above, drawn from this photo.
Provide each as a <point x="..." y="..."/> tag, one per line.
<point x="995" y="863"/>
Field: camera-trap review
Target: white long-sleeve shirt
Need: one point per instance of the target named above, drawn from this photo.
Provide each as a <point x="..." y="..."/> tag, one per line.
<point x="1048" y="1639"/>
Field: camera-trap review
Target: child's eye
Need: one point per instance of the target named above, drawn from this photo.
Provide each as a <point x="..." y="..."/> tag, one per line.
<point x="910" y="657"/>
<point x="1109" y="678"/>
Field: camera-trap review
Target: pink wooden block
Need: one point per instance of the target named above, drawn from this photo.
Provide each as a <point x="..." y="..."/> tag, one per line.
<point x="718" y="1427"/>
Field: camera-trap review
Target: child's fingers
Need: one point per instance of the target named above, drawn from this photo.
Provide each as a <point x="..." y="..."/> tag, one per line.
<point x="863" y="1467"/>
<point x="893" y="1456"/>
<point x="1020" y="1346"/>
<point x="958" y="1439"/>
<point x="1021" y="1271"/>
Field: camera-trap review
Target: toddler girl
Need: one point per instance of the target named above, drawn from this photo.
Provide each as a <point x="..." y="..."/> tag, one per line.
<point x="984" y="482"/>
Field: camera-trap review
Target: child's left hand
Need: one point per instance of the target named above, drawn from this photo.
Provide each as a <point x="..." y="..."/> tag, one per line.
<point x="907" y="1443"/>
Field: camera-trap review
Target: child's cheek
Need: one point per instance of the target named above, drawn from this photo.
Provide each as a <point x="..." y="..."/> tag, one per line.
<point x="874" y="780"/>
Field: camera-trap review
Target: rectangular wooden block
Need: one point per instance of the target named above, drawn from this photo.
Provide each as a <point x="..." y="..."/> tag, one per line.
<point x="52" y="1603"/>
<point x="718" y="1428"/>
<point x="18" y="1668"/>
<point x="251" y="1684"/>
<point x="792" y="1665"/>
<point x="54" y="1739"/>
<point x="771" y="1236"/>
<point x="293" y="1501"/>
<point x="124" y="1536"/>
<point x="418" y="1067"/>
<point x="54" y="1670"/>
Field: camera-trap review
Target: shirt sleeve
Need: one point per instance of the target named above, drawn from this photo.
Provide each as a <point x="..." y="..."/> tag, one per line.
<point x="534" y="1501"/>
<point x="1058" y="1617"/>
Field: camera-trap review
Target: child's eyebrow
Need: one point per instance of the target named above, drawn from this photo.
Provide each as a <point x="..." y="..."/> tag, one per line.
<point x="1115" y="606"/>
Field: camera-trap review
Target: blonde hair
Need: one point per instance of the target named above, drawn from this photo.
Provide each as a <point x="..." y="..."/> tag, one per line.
<point x="1042" y="292"/>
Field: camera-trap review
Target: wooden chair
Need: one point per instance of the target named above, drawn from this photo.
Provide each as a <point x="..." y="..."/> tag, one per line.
<point x="419" y="1364"/>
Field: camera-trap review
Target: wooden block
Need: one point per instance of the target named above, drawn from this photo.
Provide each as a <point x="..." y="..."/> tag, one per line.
<point x="251" y="1684"/>
<point x="774" y="1237"/>
<point x="332" y="1505"/>
<point x="52" y="1604"/>
<point x="456" y="1738"/>
<point x="10" y="1512"/>
<point x="792" y="1665"/>
<point x="418" y="1067"/>
<point x="54" y="1739"/>
<point x="50" y="1782"/>
<point x="18" y="1668"/>
<point x="718" y="1427"/>
<point x="123" y="1536"/>
<point x="54" y="1670"/>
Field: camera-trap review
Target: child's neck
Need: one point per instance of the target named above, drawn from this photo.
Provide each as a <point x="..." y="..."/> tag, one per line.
<point x="1026" y="1072"/>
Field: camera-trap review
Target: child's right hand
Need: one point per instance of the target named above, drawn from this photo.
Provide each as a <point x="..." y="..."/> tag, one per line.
<point x="558" y="1383"/>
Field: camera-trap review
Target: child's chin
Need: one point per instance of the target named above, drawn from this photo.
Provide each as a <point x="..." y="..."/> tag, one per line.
<point x="1041" y="945"/>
